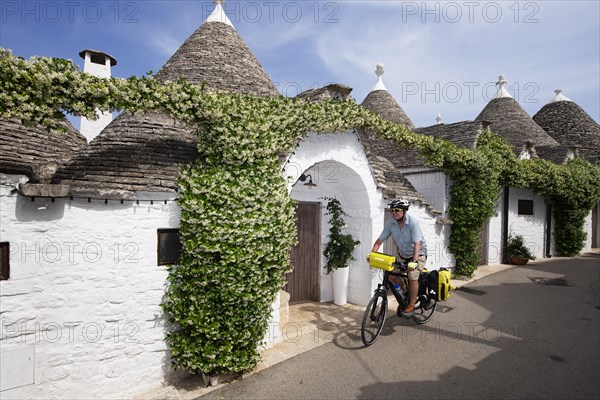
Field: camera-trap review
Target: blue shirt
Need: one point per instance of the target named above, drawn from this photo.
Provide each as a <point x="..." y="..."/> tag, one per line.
<point x="405" y="237"/>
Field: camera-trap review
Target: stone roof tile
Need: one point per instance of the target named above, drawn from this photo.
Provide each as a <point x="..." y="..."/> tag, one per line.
<point x="383" y="156"/>
<point x="510" y="121"/>
<point x="143" y="152"/>
<point x="217" y="56"/>
<point x="139" y="152"/>
<point x="571" y="126"/>
<point x="382" y="102"/>
<point x="463" y="134"/>
<point x="556" y="154"/>
<point x="36" y="152"/>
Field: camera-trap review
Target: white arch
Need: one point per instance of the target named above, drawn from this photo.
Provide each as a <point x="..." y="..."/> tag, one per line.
<point x="339" y="167"/>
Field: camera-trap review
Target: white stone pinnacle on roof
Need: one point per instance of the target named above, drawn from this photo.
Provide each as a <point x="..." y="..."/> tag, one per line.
<point x="218" y="15"/>
<point x="379" y="85"/>
<point x="502" y="92"/>
<point x="438" y="119"/>
<point x="559" y="96"/>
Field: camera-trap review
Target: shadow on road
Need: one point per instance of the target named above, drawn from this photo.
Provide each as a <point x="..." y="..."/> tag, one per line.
<point x="516" y="334"/>
<point x="540" y="328"/>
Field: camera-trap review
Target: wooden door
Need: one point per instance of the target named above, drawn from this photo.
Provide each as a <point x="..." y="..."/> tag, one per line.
<point x="303" y="283"/>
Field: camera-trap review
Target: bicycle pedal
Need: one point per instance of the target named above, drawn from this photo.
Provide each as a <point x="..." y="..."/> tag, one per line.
<point x="399" y="311"/>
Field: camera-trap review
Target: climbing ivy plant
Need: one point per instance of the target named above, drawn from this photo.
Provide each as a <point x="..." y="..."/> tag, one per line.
<point x="477" y="182"/>
<point x="237" y="220"/>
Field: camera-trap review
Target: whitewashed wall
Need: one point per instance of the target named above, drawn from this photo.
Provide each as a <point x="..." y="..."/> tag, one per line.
<point x="531" y="227"/>
<point x="587" y="227"/>
<point x="80" y="313"/>
<point x="495" y="234"/>
<point x="597" y="227"/>
<point x="83" y="296"/>
<point x="339" y="167"/>
<point x="437" y="237"/>
<point x="433" y="186"/>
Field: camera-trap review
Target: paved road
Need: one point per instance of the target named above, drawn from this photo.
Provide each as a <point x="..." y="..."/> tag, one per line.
<point x="527" y="332"/>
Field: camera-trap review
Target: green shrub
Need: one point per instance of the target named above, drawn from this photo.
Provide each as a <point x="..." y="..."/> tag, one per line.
<point x="516" y="247"/>
<point x="338" y="250"/>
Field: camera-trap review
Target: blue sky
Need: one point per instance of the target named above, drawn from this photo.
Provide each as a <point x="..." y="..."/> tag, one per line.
<point x="439" y="57"/>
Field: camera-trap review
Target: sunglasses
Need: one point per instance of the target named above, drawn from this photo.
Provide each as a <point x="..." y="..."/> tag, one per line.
<point x="397" y="209"/>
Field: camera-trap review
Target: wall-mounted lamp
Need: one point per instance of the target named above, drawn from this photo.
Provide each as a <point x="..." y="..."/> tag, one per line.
<point x="310" y="183"/>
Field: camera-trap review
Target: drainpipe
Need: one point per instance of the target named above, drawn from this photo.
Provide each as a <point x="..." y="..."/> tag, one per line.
<point x="504" y="257"/>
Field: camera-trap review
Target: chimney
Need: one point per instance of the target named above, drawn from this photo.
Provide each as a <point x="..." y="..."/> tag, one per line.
<point x="99" y="64"/>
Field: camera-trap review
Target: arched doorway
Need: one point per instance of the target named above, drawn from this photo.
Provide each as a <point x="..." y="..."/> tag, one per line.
<point x="330" y="179"/>
<point x="338" y="168"/>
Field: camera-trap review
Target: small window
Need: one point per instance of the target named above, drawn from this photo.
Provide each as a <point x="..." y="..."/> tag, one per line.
<point x="169" y="246"/>
<point x="98" y="58"/>
<point x="525" y="207"/>
<point x="5" y="260"/>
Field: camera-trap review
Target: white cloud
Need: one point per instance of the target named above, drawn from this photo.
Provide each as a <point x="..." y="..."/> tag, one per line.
<point x="164" y="44"/>
<point x="427" y="49"/>
<point x="271" y="36"/>
<point x="427" y="62"/>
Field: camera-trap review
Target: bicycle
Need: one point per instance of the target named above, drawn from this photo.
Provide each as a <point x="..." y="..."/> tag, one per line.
<point x="376" y="311"/>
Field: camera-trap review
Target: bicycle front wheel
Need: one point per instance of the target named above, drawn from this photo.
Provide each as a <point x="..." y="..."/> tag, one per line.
<point x="374" y="317"/>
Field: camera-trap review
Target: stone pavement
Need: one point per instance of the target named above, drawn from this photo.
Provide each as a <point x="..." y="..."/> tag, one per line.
<point x="311" y="325"/>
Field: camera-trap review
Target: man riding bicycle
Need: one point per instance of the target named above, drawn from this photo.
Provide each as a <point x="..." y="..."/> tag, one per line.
<point x="406" y="233"/>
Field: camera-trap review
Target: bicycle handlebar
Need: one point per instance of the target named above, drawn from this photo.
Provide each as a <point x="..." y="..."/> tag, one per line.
<point x="400" y="266"/>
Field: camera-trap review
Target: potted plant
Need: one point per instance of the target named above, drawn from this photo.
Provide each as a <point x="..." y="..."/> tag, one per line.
<point x="518" y="253"/>
<point x="338" y="251"/>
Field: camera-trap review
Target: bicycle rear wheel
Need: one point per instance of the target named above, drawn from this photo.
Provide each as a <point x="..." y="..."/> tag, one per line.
<point x="424" y="310"/>
<point x="374" y="317"/>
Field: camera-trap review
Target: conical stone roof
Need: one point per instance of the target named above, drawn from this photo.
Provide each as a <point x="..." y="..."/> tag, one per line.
<point x="143" y="152"/>
<point x="133" y="153"/>
<point x="34" y="151"/>
<point x="571" y="126"/>
<point x="380" y="101"/>
<point x="383" y="154"/>
<point x="217" y="56"/>
<point x="511" y="122"/>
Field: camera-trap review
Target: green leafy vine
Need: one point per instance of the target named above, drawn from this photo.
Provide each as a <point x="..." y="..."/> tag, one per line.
<point x="237" y="220"/>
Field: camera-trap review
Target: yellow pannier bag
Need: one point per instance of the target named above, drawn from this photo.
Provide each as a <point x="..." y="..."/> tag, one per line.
<point x="381" y="261"/>
<point x="439" y="284"/>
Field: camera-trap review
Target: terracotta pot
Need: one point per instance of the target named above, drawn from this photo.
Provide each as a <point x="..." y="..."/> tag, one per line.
<point x="518" y="260"/>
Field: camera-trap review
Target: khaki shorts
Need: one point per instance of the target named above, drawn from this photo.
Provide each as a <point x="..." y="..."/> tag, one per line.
<point x="414" y="274"/>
